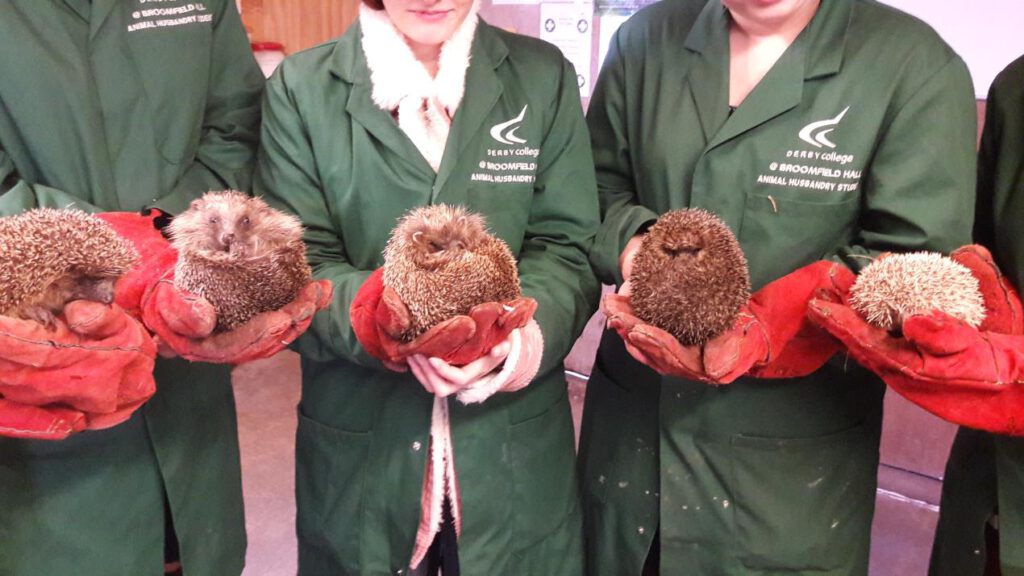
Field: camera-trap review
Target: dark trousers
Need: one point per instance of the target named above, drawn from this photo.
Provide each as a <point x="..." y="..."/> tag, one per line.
<point x="443" y="556"/>
<point x="653" y="557"/>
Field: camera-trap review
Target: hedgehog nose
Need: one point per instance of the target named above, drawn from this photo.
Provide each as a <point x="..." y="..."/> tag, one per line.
<point x="227" y="239"/>
<point x="106" y="298"/>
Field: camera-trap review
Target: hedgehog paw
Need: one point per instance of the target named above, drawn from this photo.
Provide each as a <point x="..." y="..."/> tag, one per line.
<point x="43" y="316"/>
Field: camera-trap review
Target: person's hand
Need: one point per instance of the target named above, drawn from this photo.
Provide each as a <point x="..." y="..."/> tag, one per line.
<point x="379" y="318"/>
<point x="771" y="337"/>
<point x="442" y="379"/>
<point x="93" y="370"/>
<point x="184" y="323"/>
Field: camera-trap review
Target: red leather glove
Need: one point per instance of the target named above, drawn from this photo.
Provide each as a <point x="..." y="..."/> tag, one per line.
<point x="967" y="376"/>
<point x="1003" y="312"/>
<point x="379" y="317"/>
<point x="92" y="371"/>
<point x="38" y="422"/>
<point x="185" y="322"/>
<point x="771" y="337"/>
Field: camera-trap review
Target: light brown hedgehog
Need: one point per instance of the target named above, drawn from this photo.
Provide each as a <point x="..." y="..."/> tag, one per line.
<point x="243" y="256"/>
<point x="442" y="261"/>
<point x="50" y="257"/>
<point x="689" y="276"/>
<point x="899" y="285"/>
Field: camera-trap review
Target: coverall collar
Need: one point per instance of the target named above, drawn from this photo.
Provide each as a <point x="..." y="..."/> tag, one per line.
<point x="483" y="90"/>
<point x="816" y="52"/>
<point x="826" y="34"/>
<point x="101" y="9"/>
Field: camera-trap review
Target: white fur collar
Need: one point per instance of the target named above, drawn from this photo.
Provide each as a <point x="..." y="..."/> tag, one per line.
<point x="396" y="73"/>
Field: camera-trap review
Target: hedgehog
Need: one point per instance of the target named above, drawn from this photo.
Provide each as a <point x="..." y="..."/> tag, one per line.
<point x="899" y="285"/>
<point x="442" y="261"/>
<point x="49" y="257"/>
<point x="689" y="276"/>
<point x="240" y="254"/>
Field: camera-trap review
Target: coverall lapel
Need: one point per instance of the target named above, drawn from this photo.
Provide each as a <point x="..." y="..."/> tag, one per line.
<point x="101" y="9"/>
<point x="80" y="7"/>
<point x="709" y="88"/>
<point x="349" y="64"/>
<point x="816" y="52"/>
<point x="482" y="93"/>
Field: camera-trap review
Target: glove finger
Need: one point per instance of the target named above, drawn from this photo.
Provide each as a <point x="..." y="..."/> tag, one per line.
<point x="487" y="333"/>
<point x="439" y="341"/>
<point x="872" y="347"/>
<point x="731" y="355"/>
<point x="616" y="304"/>
<point x="939" y="334"/>
<point x="1002" y="303"/>
<point x="666" y="354"/>
<point x="94" y="320"/>
<point x="363" y="315"/>
<point x="187" y="315"/>
<point x="393" y="315"/>
<point x="111" y="419"/>
<point x="842" y="280"/>
<point x="301" y="319"/>
<point x="321" y="293"/>
<point x="39" y="423"/>
<point x="518" y="313"/>
<point x="260" y="336"/>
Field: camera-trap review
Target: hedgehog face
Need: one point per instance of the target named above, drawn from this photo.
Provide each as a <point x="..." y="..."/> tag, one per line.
<point x="441" y="261"/>
<point x="436" y="236"/>
<point x="233" y="224"/>
<point x="97" y="289"/>
<point x="689" y="276"/>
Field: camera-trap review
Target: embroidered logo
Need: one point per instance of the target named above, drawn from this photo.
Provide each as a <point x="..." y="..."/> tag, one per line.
<point x="506" y="131"/>
<point x="816" y="133"/>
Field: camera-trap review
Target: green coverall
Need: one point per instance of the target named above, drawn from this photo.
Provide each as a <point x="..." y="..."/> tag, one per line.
<point x="985" y="472"/>
<point x="860" y="139"/>
<point x="330" y="155"/>
<point x="115" y="105"/>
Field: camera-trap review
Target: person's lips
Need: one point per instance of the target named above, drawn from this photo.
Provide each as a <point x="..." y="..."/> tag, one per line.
<point x="432" y="15"/>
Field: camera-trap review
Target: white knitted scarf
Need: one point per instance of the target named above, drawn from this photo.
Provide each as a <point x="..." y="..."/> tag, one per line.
<point x="424" y="105"/>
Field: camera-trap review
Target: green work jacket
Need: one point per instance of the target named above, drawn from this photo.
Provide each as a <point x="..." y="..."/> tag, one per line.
<point x="330" y="155"/>
<point x="858" y="140"/>
<point x="102" y="112"/>
<point x="985" y="471"/>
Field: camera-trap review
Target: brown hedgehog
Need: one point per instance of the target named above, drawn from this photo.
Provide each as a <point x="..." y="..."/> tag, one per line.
<point x="689" y="276"/>
<point x="243" y="256"/>
<point x="50" y="257"/>
<point x="899" y="285"/>
<point x="442" y="261"/>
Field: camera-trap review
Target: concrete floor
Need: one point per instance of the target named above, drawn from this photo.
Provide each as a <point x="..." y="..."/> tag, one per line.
<point x="913" y="454"/>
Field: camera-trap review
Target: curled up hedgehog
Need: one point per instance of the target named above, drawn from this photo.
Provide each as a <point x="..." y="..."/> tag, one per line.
<point x="441" y="261"/>
<point x="240" y="254"/>
<point x="50" y="257"/>
<point x="896" y="286"/>
<point x="689" y="276"/>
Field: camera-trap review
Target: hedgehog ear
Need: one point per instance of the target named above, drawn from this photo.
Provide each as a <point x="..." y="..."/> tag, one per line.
<point x="416" y="236"/>
<point x="463" y="220"/>
<point x="196" y="204"/>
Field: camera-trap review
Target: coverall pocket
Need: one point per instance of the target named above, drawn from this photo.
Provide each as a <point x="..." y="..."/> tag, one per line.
<point x="795" y="230"/>
<point x="541" y="458"/>
<point x="177" y="88"/>
<point x="805" y="503"/>
<point x="329" y="479"/>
